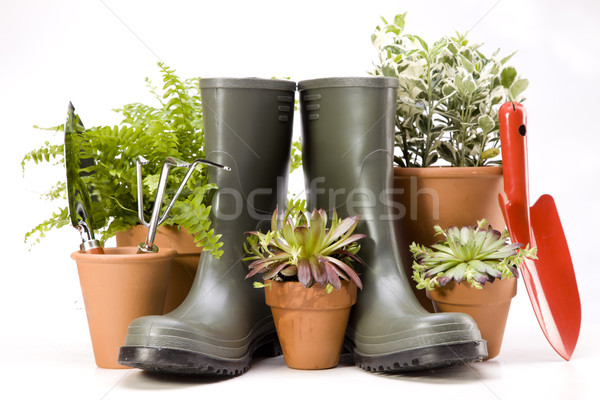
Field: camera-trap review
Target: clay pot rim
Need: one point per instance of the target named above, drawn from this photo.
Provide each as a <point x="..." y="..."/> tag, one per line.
<point x="173" y="234"/>
<point x="122" y="255"/>
<point x="278" y="295"/>
<point x="444" y="171"/>
<point x="497" y="292"/>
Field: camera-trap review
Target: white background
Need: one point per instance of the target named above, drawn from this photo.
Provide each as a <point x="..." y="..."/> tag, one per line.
<point x="97" y="54"/>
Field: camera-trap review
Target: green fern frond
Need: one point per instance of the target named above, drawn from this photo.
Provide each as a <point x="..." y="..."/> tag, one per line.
<point x="172" y="128"/>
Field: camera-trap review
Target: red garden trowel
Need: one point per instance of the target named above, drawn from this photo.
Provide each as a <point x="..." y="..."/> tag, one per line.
<point x="550" y="280"/>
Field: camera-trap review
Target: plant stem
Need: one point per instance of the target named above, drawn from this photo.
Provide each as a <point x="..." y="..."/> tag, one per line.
<point x="463" y="130"/>
<point x="429" y="113"/>
<point x="483" y="143"/>
<point x="122" y="206"/>
<point x="405" y="150"/>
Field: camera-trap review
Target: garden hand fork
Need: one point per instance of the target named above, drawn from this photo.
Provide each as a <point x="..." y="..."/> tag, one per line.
<point x="156" y="219"/>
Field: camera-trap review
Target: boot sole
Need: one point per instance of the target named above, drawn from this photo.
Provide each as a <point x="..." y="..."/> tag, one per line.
<point x="185" y="362"/>
<point x="427" y="358"/>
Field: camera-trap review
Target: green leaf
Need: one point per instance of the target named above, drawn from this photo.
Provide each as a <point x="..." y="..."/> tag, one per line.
<point x="452" y="47"/>
<point x="469" y="84"/>
<point x="507" y="76"/>
<point x="260" y="285"/>
<point x="447" y="152"/>
<point x="458" y="83"/>
<point x="423" y="44"/>
<point x="486" y="123"/>
<point x="150" y="183"/>
<point x="328" y="288"/>
<point x="518" y="87"/>
<point x="393" y="29"/>
<point x="399" y="21"/>
<point x="490" y="153"/>
<point x="389" y="69"/>
<point x="447" y="89"/>
<point x="508" y="57"/>
<point x="466" y="63"/>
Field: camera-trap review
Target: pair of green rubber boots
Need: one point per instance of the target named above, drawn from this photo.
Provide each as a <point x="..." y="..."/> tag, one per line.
<point x="347" y="140"/>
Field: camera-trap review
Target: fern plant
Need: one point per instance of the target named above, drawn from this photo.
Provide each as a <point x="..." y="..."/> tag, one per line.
<point x="172" y="128"/>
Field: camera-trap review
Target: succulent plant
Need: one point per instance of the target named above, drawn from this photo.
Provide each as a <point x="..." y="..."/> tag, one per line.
<point x="473" y="254"/>
<point x="303" y="249"/>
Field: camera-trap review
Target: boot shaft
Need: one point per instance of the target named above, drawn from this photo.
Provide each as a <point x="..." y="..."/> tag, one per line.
<point x="347" y="138"/>
<point x="248" y="126"/>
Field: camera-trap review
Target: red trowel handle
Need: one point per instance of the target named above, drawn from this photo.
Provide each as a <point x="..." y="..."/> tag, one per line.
<point x="512" y="118"/>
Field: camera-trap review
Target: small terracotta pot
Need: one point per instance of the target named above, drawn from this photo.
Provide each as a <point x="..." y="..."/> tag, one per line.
<point x="488" y="306"/>
<point x="185" y="263"/>
<point x="444" y="196"/>
<point x="310" y="323"/>
<point x="118" y="287"/>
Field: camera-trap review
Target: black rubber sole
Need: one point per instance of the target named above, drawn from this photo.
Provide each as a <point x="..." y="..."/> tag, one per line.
<point x="184" y="362"/>
<point x="423" y="359"/>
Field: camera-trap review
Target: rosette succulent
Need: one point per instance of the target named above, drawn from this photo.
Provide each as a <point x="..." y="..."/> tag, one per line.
<point x="304" y="249"/>
<point x="473" y="254"/>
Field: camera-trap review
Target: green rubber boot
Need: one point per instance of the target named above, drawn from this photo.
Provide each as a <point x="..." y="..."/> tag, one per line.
<point x="224" y="320"/>
<point x="347" y="138"/>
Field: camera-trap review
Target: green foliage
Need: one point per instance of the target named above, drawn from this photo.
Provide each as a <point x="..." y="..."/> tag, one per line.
<point x="260" y="285"/>
<point x="54" y="152"/>
<point x="297" y="203"/>
<point x="303" y="249"/>
<point x="448" y="98"/>
<point x="296" y="158"/>
<point x="473" y="254"/>
<point x="173" y="128"/>
<point x="58" y="220"/>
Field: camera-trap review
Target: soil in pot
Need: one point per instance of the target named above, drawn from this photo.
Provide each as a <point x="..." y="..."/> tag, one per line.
<point x="118" y="287"/>
<point x="310" y="323"/>
<point x="488" y="306"/>
<point x="445" y="196"/>
<point x="185" y="263"/>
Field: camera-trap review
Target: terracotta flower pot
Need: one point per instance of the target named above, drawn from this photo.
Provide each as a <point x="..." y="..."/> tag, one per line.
<point x="445" y="196"/>
<point x="185" y="263"/>
<point x="488" y="306"/>
<point x="310" y="323"/>
<point x="118" y="287"/>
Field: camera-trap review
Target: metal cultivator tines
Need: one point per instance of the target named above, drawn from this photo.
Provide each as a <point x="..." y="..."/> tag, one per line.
<point x="156" y="219"/>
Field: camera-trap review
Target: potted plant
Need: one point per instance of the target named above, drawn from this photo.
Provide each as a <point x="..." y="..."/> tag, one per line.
<point x="310" y="284"/>
<point x="447" y="146"/>
<point x="171" y="128"/>
<point x="473" y="270"/>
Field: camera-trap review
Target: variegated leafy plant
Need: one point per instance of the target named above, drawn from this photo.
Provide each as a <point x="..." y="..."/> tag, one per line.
<point x="473" y="254"/>
<point x="304" y="249"/>
<point x="448" y="97"/>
